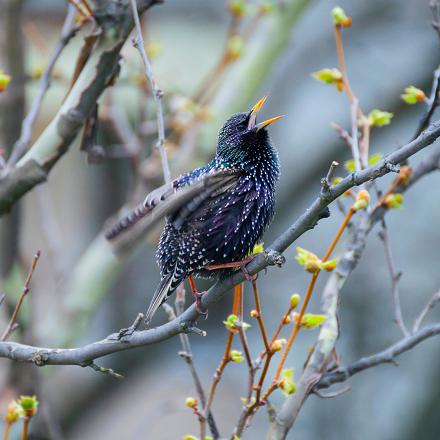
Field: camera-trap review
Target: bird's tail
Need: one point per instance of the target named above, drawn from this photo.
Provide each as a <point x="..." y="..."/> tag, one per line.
<point x="165" y="288"/>
<point x="126" y="222"/>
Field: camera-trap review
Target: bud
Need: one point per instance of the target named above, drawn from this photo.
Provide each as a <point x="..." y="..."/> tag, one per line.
<point x="287" y="384"/>
<point x="190" y="437"/>
<point x="413" y="95"/>
<point x="340" y="18"/>
<point x="254" y="314"/>
<point x="236" y="356"/>
<point x="277" y="345"/>
<point x="235" y="48"/>
<point x="379" y="118"/>
<point x="336" y="180"/>
<point x="294" y="300"/>
<point x="239" y="8"/>
<point x="190" y="402"/>
<point x="330" y="265"/>
<point x="308" y="259"/>
<point x="362" y="200"/>
<point x="13" y="412"/>
<point x="258" y="248"/>
<point x="405" y="174"/>
<point x="4" y="81"/>
<point x="330" y="76"/>
<point x="394" y="201"/>
<point x="311" y="321"/>
<point x="29" y="404"/>
<point x="313" y="266"/>
<point x="231" y="322"/>
<point x="287" y="320"/>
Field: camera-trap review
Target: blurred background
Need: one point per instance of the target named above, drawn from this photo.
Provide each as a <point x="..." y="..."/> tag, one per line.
<point x="81" y="292"/>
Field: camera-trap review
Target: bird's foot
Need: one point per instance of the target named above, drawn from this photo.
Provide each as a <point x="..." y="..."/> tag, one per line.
<point x="239" y="265"/>
<point x="198" y="303"/>
<point x="133" y="327"/>
<point x="198" y="297"/>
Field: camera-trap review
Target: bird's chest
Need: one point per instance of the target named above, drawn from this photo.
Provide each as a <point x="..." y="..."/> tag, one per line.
<point x="236" y="222"/>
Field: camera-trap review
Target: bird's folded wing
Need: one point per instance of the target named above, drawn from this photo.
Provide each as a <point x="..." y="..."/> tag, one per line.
<point x="168" y="200"/>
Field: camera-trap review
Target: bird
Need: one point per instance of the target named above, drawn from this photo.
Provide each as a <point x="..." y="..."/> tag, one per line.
<point x="220" y="211"/>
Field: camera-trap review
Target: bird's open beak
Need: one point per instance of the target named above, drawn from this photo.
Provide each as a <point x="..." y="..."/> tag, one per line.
<point x="253" y="116"/>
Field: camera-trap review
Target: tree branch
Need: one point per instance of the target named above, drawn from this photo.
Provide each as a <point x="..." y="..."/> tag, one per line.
<point x="33" y="168"/>
<point x="386" y="356"/>
<point x="67" y="33"/>
<point x="157" y="93"/>
<point x="184" y="322"/>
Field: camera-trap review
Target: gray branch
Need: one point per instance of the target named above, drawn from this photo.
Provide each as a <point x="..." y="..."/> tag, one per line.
<point x="185" y="321"/>
<point x="116" y="22"/>
<point x="386" y="356"/>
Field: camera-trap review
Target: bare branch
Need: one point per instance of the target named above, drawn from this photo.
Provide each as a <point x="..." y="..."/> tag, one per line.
<point x="12" y="323"/>
<point x="430" y="305"/>
<point x="395" y="278"/>
<point x="434" y="98"/>
<point x="383" y="357"/>
<point x="68" y="31"/>
<point x="157" y="93"/>
<point x="97" y="74"/>
<point x="184" y="323"/>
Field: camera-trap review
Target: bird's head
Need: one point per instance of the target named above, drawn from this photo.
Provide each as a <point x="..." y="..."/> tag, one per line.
<point x="241" y="134"/>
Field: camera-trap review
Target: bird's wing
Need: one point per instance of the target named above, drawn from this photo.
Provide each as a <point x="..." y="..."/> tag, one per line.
<point x="170" y="200"/>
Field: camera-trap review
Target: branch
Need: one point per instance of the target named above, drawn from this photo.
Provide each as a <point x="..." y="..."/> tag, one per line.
<point x="386" y="356"/>
<point x="101" y="68"/>
<point x="157" y="93"/>
<point x="395" y="278"/>
<point x="12" y="323"/>
<point x="432" y="103"/>
<point x="184" y="322"/>
<point x="67" y="33"/>
<point x="430" y="305"/>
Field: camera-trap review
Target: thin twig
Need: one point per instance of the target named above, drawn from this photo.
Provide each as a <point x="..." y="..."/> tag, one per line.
<point x="430" y="305"/>
<point x="12" y="323"/>
<point x="343" y="134"/>
<point x="226" y="355"/>
<point x="157" y="93"/>
<point x="386" y="356"/>
<point x="260" y="315"/>
<point x="103" y="370"/>
<point x="297" y="325"/>
<point x="431" y="104"/>
<point x="68" y="31"/>
<point x="395" y="278"/>
<point x="187" y="356"/>
<point x="434" y="5"/>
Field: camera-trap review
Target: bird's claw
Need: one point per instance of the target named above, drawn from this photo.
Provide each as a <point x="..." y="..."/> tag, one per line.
<point x="198" y="303"/>
<point x="247" y="275"/>
<point x="133" y="327"/>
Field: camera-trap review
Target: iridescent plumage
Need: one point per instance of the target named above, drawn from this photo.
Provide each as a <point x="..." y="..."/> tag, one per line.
<point x="231" y="205"/>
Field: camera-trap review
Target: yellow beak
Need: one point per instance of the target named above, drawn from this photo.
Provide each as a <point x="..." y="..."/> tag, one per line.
<point x="253" y="116"/>
<point x="268" y="122"/>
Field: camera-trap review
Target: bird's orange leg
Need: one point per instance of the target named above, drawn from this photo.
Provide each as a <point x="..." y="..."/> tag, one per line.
<point x="235" y="264"/>
<point x="197" y="295"/>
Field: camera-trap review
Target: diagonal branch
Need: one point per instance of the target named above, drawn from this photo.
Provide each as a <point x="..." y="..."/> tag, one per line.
<point x="157" y="93"/>
<point x="68" y="31"/>
<point x="101" y="68"/>
<point x="184" y="322"/>
<point x="386" y="356"/>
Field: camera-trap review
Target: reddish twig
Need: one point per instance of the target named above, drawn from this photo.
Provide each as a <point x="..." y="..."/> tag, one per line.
<point x="12" y="323"/>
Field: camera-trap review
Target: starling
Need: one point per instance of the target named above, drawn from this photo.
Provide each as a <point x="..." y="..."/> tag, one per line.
<point x="223" y="220"/>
